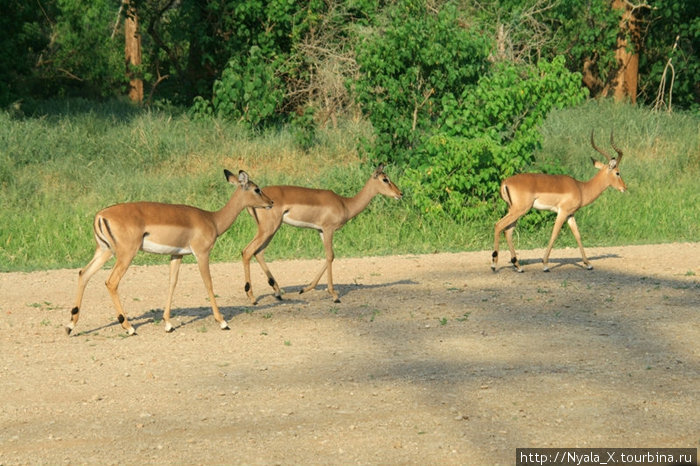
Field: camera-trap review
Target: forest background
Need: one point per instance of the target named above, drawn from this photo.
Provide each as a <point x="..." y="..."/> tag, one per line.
<point x="106" y="101"/>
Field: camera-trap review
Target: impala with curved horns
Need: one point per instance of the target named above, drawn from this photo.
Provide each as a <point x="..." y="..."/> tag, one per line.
<point x="559" y="193"/>
<point x="124" y="229"/>
<point x="321" y="210"/>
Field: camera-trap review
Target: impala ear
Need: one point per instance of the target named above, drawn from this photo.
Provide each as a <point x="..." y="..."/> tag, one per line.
<point x="597" y="164"/>
<point x="380" y="169"/>
<point x="612" y="164"/>
<point x="229" y="176"/>
<point x="243" y="179"/>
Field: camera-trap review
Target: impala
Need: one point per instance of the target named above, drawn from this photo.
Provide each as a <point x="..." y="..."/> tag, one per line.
<point x="321" y="210"/>
<point x="558" y="193"/>
<point x="124" y="229"/>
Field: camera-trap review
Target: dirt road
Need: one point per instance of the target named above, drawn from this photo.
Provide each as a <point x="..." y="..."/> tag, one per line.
<point x="428" y="359"/>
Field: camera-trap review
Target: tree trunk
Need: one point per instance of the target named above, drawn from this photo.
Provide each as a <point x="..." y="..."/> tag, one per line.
<point x="624" y="83"/>
<point x="132" y="40"/>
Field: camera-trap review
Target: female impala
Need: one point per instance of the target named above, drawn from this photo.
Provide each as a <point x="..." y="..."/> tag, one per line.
<point x="321" y="210"/>
<point x="558" y="193"/>
<point x="124" y="229"/>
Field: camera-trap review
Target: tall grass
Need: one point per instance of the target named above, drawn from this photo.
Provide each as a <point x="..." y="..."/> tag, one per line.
<point x="71" y="158"/>
<point x="660" y="167"/>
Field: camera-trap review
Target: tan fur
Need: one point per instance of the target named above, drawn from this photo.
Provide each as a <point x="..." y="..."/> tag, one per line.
<point x="559" y="193"/>
<point x="319" y="209"/>
<point x="124" y="229"/>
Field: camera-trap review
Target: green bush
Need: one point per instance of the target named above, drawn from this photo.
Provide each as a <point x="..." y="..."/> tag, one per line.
<point x="249" y="90"/>
<point x="490" y="133"/>
<point x="408" y="68"/>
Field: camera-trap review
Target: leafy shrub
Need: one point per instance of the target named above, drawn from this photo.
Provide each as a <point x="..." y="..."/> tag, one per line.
<point x="408" y="68"/>
<point x="490" y="133"/>
<point x="249" y="90"/>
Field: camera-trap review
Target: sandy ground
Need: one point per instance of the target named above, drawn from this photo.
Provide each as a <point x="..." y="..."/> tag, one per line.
<point x="428" y="359"/>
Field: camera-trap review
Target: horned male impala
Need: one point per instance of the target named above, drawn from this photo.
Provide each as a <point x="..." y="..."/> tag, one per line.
<point x="177" y="230"/>
<point x="321" y="210"/>
<point x="558" y="193"/>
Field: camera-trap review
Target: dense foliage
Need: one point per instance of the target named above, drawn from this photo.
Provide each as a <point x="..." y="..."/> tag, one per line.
<point x="76" y="46"/>
<point x="408" y="68"/>
<point x="489" y="132"/>
<point x="455" y="90"/>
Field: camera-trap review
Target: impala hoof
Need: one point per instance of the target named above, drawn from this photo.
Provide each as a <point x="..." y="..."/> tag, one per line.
<point x="589" y="267"/>
<point x="131" y="331"/>
<point x="224" y="325"/>
<point x="279" y="298"/>
<point x="336" y="300"/>
<point x="169" y="327"/>
<point x="546" y="269"/>
<point x="69" y="328"/>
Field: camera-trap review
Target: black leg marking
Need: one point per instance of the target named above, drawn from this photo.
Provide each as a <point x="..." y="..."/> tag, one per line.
<point x="247" y="287"/>
<point x="495" y="254"/>
<point x="121" y="318"/>
<point x="271" y="281"/>
<point x="74" y="311"/>
<point x="513" y="260"/>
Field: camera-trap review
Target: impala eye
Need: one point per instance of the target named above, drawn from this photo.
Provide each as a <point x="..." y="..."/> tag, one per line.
<point x="386" y="180"/>
<point x="257" y="191"/>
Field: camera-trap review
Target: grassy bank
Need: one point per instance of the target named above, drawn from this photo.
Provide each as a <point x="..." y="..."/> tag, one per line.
<point x="58" y="169"/>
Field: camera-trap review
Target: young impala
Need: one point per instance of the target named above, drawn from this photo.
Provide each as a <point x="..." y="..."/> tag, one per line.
<point x="321" y="210"/>
<point x="124" y="229"/>
<point x="558" y="193"/>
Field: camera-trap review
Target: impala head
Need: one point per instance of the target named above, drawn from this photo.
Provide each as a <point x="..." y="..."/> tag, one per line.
<point x="612" y="169"/>
<point x="385" y="185"/>
<point x="254" y="195"/>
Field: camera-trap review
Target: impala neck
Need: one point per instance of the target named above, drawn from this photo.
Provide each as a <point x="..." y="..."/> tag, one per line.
<point x="361" y="200"/>
<point x="591" y="189"/>
<point x="225" y="217"/>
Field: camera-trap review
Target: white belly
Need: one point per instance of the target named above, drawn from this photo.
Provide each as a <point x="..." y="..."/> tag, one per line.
<point x="539" y="205"/>
<point x="155" y="248"/>
<point x="296" y="223"/>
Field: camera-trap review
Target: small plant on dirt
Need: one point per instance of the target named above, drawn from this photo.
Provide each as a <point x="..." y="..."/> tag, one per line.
<point x="443" y="321"/>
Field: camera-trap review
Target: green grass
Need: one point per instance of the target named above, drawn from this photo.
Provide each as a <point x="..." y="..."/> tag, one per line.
<point x="58" y="169"/>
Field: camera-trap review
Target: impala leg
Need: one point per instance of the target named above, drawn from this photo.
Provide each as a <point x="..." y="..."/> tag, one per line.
<point x="256" y="248"/>
<point x="327" y="266"/>
<point x="260" y="257"/>
<point x="558" y="223"/>
<point x="328" y="243"/>
<point x="112" y="283"/>
<point x="175" y="262"/>
<point x="98" y="260"/>
<point x="245" y="258"/>
<point x="513" y="256"/>
<point x="203" y="263"/>
<point x="507" y="223"/>
<point x="496" y="240"/>
<point x="574" y="229"/>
